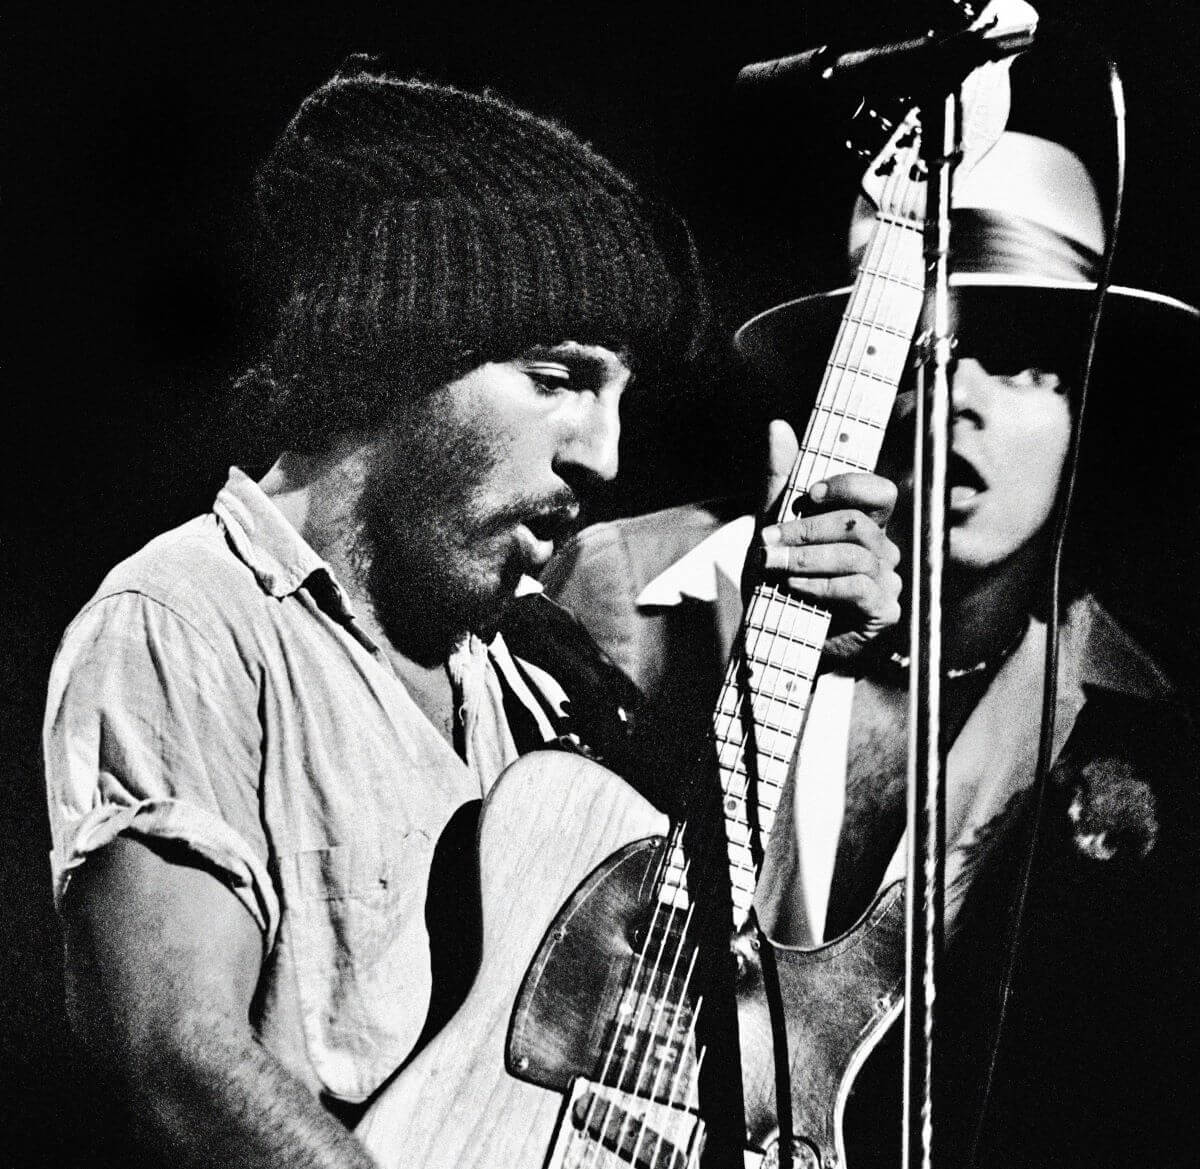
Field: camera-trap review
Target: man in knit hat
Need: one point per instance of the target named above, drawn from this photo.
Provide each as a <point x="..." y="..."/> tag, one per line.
<point x="1102" y="1022"/>
<point x="265" y="725"/>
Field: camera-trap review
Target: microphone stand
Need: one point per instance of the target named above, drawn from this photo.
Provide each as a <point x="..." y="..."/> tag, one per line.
<point x="940" y="146"/>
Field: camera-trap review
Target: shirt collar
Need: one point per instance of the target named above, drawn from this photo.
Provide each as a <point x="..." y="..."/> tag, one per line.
<point x="273" y="550"/>
<point x="1108" y="657"/>
<point x="694" y="577"/>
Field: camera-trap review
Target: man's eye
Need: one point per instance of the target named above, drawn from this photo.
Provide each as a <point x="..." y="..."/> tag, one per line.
<point x="1032" y="378"/>
<point x="548" y="375"/>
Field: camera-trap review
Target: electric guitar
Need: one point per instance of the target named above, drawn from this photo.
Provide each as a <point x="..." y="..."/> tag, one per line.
<point x="577" y="1045"/>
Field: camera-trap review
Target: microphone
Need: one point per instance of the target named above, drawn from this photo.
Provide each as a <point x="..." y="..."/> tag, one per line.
<point x="910" y="64"/>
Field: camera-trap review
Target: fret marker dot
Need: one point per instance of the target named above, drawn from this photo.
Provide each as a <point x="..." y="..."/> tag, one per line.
<point x="731" y="804"/>
<point x="871" y="350"/>
<point x="843" y="437"/>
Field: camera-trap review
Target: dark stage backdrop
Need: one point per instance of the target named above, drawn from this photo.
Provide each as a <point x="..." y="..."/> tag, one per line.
<point x="132" y="135"/>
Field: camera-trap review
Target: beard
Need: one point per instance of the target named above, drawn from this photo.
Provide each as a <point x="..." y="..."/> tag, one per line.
<point x="436" y="562"/>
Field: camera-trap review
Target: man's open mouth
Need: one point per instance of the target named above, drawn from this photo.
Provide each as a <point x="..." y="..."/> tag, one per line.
<point x="964" y="481"/>
<point x="553" y="525"/>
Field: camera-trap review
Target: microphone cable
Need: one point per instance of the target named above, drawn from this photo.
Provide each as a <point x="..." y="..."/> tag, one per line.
<point x="1050" y="668"/>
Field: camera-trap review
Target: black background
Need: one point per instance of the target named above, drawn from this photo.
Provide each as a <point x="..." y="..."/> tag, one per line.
<point x="132" y="136"/>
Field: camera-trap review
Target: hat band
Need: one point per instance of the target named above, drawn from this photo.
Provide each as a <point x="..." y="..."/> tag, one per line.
<point x="1010" y="245"/>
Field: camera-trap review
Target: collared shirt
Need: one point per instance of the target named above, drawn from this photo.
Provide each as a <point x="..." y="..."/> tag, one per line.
<point x="217" y="692"/>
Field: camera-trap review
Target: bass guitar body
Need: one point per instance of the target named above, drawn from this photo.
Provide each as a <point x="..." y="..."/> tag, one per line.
<point x="570" y="857"/>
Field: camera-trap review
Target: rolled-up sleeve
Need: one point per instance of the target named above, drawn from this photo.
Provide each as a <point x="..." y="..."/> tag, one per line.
<point x="152" y="730"/>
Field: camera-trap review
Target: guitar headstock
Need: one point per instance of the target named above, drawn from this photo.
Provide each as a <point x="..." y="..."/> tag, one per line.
<point x="893" y="179"/>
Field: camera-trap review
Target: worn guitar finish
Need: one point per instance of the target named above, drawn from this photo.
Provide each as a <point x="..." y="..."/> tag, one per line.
<point x="585" y="851"/>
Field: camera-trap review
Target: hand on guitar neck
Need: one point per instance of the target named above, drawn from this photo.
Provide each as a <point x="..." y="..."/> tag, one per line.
<point x="834" y="551"/>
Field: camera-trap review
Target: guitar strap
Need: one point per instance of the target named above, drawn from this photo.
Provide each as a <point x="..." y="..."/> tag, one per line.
<point x="604" y="711"/>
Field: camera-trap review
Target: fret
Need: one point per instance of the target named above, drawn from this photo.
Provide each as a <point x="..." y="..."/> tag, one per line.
<point x="847" y="415"/>
<point x="878" y="326"/>
<point x="768" y="720"/>
<point x="775" y="679"/>
<point x="780" y="652"/>
<point x="866" y="400"/>
<point x="892" y="278"/>
<point x="795" y="702"/>
<point x="846" y="439"/>
<point x="771" y="771"/>
<point x="730" y="708"/>
<point x="779" y="635"/>
<point x="772" y="606"/>
<point x="766" y="731"/>
<point x="887" y="300"/>
<point x="736" y="796"/>
<point x="771" y="742"/>
<point x="737" y="772"/>
<point x="838" y="465"/>
<point x="739" y="831"/>
<point x="856" y="369"/>
<point x="896" y="221"/>
<point x="764" y="824"/>
<point x="880" y="355"/>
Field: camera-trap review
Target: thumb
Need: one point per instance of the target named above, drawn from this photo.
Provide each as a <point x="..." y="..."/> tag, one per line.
<point x="782" y="450"/>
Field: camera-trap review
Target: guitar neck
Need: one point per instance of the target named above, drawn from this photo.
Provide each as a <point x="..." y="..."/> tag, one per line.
<point x="768" y="685"/>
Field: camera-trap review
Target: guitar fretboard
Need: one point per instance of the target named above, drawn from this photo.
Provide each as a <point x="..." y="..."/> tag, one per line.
<point x="768" y="686"/>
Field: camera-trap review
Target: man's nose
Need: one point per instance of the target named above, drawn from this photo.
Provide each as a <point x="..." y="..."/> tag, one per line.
<point x="592" y="447"/>
<point x="968" y="391"/>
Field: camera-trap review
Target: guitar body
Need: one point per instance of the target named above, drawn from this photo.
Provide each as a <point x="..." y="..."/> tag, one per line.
<point x="568" y="859"/>
<point x="838" y="1001"/>
<point x="550" y="824"/>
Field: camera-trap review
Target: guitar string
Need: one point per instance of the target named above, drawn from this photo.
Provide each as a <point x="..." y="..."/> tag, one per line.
<point x="663" y="929"/>
<point x="834" y="409"/>
<point x="679" y="1064"/>
<point x="851" y="403"/>
<point x="839" y="374"/>
<point x="683" y="995"/>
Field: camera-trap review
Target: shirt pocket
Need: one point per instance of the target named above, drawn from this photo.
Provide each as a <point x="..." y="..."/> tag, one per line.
<point x="355" y="919"/>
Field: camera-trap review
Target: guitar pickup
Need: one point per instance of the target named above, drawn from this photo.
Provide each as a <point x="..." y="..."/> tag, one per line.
<point x="628" y="1129"/>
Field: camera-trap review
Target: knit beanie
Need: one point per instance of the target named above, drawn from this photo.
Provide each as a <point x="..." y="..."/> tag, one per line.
<point x="411" y="231"/>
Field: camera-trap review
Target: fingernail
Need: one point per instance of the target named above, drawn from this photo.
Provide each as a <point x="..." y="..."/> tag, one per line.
<point x="775" y="559"/>
<point x="818" y="491"/>
<point x="772" y="534"/>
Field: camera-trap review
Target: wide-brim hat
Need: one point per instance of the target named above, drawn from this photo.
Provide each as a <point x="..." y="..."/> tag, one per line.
<point x="1027" y="240"/>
